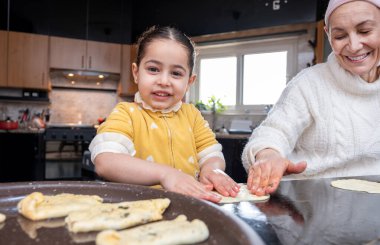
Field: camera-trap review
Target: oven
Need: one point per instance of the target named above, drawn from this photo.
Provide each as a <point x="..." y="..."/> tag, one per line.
<point x="65" y="146"/>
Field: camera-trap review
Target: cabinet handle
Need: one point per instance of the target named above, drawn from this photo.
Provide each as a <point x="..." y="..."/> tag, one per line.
<point x="82" y="61"/>
<point x="89" y="62"/>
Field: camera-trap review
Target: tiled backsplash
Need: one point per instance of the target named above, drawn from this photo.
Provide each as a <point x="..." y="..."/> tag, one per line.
<point x="80" y="106"/>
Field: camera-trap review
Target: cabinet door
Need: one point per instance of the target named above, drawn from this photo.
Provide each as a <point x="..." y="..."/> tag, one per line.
<point x="103" y="56"/>
<point x="29" y="16"/>
<point x="3" y="58"/>
<point x="3" y="14"/>
<point x="67" y="53"/>
<point x="104" y="20"/>
<point x="28" y="60"/>
<point x="68" y="18"/>
<point x="127" y="86"/>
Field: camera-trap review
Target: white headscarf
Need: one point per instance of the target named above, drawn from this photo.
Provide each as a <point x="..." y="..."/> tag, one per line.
<point x="334" y="4"/>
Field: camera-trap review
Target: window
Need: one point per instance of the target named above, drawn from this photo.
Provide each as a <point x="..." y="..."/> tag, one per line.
<point x="247" y="74"/>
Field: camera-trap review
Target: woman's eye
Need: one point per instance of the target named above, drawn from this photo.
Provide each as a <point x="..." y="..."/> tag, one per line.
<point x="339" y="37"/>
<point x="364" y="31"/>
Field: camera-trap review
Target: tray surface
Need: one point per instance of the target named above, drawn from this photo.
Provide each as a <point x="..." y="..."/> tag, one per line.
<point x="224" y="227"/>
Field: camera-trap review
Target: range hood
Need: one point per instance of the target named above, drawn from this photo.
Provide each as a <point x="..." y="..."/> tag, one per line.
<point x="89" y="75"/>
<point x="78" y="79"/>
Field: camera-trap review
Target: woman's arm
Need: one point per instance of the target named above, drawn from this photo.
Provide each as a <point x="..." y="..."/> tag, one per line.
<point x="266" y="172"/>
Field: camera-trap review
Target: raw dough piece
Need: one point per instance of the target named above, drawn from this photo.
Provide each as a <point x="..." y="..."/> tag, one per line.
<point x="116" y="215"/>
<point x="357" y="185"/>
<point x="243" y="195"/>
<point x="177" y="231"/>
<point x="2" y="218"/>
<point x="37" y="206"/>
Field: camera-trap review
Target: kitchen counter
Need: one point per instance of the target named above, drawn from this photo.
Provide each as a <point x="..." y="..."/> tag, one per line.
<point x="232" y="136"/>
<point x="25" y="131"/>
<point x="313" y="212"/>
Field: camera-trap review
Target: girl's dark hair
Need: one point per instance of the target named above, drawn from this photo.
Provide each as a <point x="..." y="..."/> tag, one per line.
<point x="166" y="32"/>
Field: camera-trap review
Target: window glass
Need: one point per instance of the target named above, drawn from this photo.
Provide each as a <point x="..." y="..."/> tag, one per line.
<point x="264" y="77"/>
<point x="217" y="78"/>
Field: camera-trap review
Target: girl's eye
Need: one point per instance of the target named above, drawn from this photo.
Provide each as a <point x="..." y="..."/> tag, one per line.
<point x="177" y="74"/>
<point x="152" y="69"/>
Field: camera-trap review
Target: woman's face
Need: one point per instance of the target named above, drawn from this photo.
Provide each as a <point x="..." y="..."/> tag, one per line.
<point x="163" y="75"/>
<point x="354" y="35"/>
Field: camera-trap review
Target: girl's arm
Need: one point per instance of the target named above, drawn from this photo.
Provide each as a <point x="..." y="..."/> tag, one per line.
<point x="212" y="173"/>
<point x="124" y="168"/>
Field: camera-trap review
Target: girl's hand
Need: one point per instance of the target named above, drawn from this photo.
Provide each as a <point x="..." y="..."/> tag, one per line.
<point x="221" y="182"/>
<point x="176" y="181"/>
<point x="265" y="174"/>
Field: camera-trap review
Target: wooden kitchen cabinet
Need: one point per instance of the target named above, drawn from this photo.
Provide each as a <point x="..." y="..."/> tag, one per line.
<point x="28" y="61"/>
<point x="127" y="87"/>
<point x="76" y="54"/>
<point x="67" y="53"/>
<point x="3" y="58"/>
<point x="103" y="56"/>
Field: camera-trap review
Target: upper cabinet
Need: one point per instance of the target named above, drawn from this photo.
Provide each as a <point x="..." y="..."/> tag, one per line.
<point x="29" y="16"/>
<point x="3" y="14"/>
<point x="94" y="20"/>
<point x="24" y="50"/>
<point x="68" y="53"/>
<point x="68" y="18"/>
<point x="105" y="19"/>
<point x="127" y="87"/>
<point x="3" y="58"/>
<point x="104" y="56"/>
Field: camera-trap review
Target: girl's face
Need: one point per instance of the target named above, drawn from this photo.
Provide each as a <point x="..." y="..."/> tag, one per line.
<point x="163" y="76"/>
<point x="354" y="35"/>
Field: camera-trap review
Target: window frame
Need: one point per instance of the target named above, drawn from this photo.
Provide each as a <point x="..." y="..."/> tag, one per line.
<point x="239" y="48"/>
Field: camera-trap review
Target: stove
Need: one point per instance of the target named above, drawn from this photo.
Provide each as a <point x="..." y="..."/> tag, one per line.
<point x="65" y="146"/>
<point x="70" y="132"/>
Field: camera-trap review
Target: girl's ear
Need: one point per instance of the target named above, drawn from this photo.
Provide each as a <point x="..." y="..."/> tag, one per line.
<point x="135" y="70"/>
<point x="191" y="81"/>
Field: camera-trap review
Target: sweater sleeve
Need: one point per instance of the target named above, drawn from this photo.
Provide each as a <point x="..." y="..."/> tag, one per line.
<point x="283" y="125"/>
<point x="116" y="133"/>
<point x="205" y="141"/>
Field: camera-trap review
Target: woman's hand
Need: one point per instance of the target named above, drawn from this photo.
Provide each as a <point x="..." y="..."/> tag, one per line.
<point x="265" y="174"/>
<point x="219" y="180"/>
<point x="176" y="181"/>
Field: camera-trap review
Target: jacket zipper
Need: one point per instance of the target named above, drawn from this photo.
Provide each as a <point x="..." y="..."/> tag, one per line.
<point x="172" y="163"/>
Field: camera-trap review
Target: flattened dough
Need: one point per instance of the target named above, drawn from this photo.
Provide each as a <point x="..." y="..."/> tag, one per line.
<point x="243" y="195"/>
<point x="357" y="185"/>
<point x="37" y="206"/>
<point x="177" y="231"/>
<point x="116" y="215"/>
<point x="2" y="218"/>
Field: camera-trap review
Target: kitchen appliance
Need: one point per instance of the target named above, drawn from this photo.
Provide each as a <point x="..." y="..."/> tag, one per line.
<point x="65" y="147"/>
<point x="8" y="125"/>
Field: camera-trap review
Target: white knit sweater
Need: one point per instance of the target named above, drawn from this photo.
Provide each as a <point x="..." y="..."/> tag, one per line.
<point x="327" y="117"/>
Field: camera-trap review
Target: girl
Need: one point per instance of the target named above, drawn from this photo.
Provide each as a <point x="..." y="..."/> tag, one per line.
<point x="158" y="140"/>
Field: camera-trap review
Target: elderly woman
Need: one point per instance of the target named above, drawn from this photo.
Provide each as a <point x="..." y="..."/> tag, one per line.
<point x="327" y="121"/>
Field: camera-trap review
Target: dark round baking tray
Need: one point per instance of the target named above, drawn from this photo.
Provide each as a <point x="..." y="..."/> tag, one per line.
<point x="224" y="227"/>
